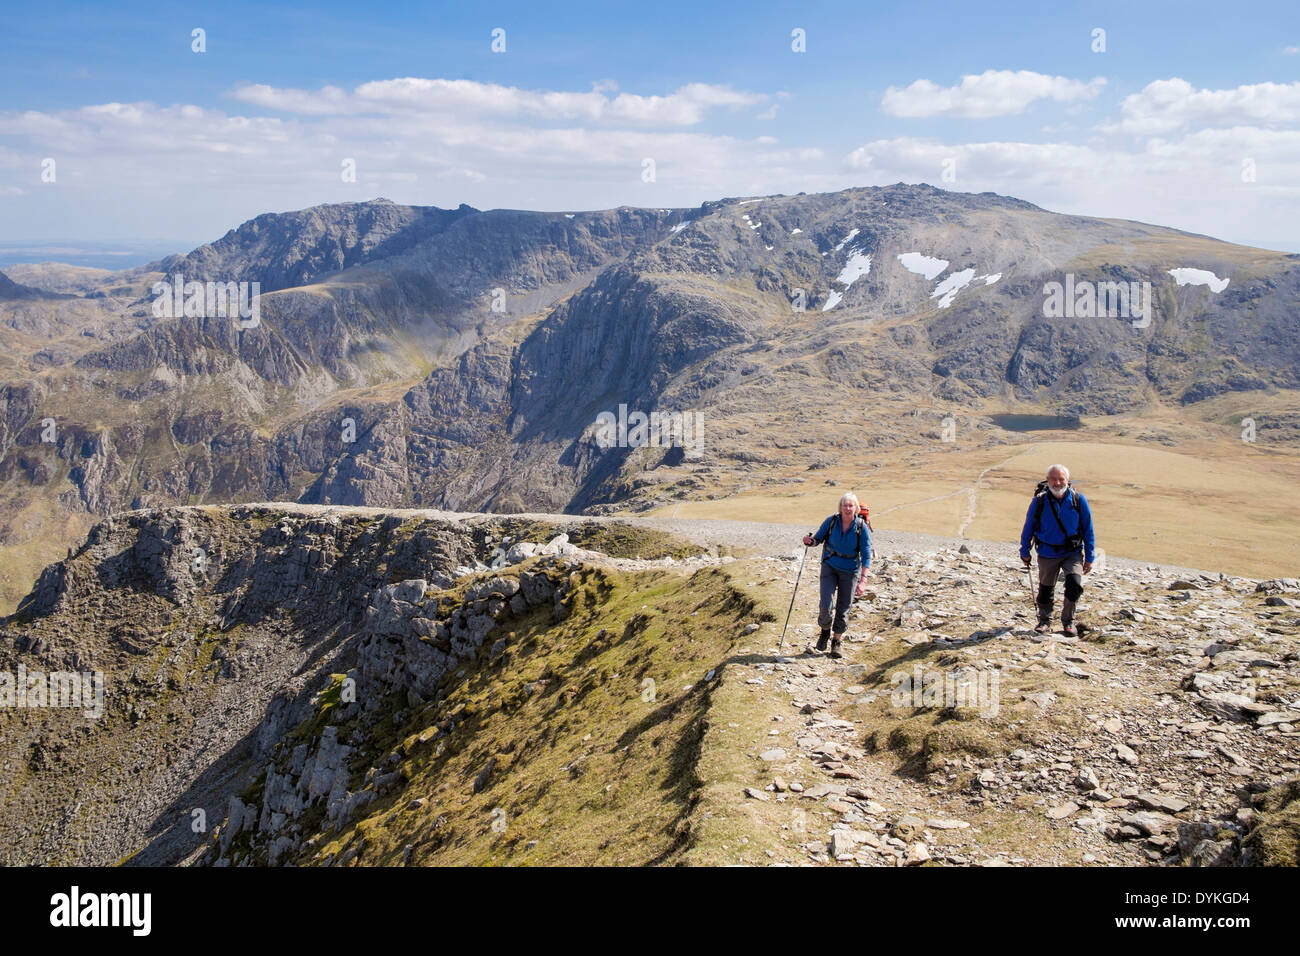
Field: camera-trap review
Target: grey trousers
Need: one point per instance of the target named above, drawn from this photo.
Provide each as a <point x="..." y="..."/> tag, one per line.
<point x="1048" y="571"/>
<point x="844" y="581"/>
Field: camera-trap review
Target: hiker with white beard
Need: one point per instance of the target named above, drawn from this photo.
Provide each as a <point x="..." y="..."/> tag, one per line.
<point x="1059" y="524"/>
<point x="846" y="558"/>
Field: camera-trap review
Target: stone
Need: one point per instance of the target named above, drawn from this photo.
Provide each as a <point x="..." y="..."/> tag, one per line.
<point x="1191" y="834"/>
<point x="1087" y="779"/>
<point x="1126" y="754"/>
<point x="842" y="844"/>
<point x="1214" y="853"/>
<point x="1248" y="658"/>
<point x="916" y="854"/>
<point x="1275" y="717"/>
<point x="755" y="794"/>
<point x="1150" y="822"/>
<point x="1162" y="802"/>
<point x="907" y="827"/>
<point x="947" y="824"/>
<point x="820" y="790"/>
<point x="485" y="774"/>
<point x="1062" y="811"/>
<point x="558" y="545"/>
<point x="771" y="756"/>
<point x="1225" y="706"/>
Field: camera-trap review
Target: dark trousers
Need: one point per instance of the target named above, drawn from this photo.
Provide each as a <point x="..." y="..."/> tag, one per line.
<point x="1048" y="571"/>
<point x="831" y="579"/>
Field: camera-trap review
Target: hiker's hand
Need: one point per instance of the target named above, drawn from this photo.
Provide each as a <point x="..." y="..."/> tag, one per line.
<point x="1026" y="561"/>
<point x="862" y="588"/>
<point x="1087" y="566"/>
<point x="807" y="541"/>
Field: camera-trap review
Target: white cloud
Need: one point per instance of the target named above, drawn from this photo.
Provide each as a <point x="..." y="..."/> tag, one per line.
<point x="686" y="106"/>
<point x="1291" y="50"/>
<point x="987" y="94"/>
<point x="1164" y="106"/>
<point x="185" y="170"/>
<point x="1193" y="182"/>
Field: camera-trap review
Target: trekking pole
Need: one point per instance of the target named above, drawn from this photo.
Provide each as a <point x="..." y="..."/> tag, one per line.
<point x="792" y="597"/>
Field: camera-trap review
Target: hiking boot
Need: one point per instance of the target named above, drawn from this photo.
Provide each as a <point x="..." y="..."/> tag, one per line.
<point x="1070" y="630"/>
<point x="1042" y="627"/>
<point x="835" y="649"/>
<point x="821" y="641"/>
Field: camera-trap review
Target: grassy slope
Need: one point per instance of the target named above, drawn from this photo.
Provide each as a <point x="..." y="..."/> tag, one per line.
<point x="591" y="768"/>
<point x="1218" y="504"/>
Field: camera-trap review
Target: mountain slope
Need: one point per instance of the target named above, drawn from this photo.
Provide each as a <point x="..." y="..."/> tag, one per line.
<point x="457" y="358"/>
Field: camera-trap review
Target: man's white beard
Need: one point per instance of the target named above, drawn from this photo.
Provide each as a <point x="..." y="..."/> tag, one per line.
<point x="1061" y="493"/>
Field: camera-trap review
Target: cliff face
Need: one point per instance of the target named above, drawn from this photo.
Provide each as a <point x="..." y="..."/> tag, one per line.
<point x="202" y="622"/>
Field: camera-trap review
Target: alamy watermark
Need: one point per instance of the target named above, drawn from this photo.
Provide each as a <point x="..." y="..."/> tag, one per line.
<point x="929" y="688"/>
<point x="84" y="690"/>
<point x="657" y="429"/>
<point x="197" y="300"/>
<point x="1083" y="299"/>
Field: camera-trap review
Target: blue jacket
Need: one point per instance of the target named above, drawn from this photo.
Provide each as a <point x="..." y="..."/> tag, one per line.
<point x="845" y="542"/>
<point x="1076" y="516"/>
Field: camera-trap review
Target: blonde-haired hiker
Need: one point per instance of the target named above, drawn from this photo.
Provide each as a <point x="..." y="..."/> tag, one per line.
<point x="846" y="557"/>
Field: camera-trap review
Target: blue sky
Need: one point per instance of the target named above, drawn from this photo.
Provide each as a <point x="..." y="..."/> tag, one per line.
<point x="150" y="139"/>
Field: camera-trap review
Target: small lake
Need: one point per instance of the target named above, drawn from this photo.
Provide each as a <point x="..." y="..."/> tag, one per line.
<point x="1035" y="423"/>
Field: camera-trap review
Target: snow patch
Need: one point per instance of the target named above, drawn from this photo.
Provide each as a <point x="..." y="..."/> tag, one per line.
<point x="568" y="215"/>
<point x="746" y="202"/>
<point x="859" y="264"/>
<point x="846" y="240"/>
<point x="989" y="280"/>
<point x="1199" y="277"/>
<point x="950" y="286"/>
<point x="927" y="266"/>
<point x="832" y="301"/>
<point x="795" y="232"/>
<point x="682" y="225"/>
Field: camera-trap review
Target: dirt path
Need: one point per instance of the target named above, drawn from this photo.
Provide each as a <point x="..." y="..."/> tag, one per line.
<point x="1087" y="753"/>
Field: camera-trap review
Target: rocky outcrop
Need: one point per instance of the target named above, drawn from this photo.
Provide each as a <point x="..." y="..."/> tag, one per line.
<point x="413" y="637"/>
<point x="217" y="632"/>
